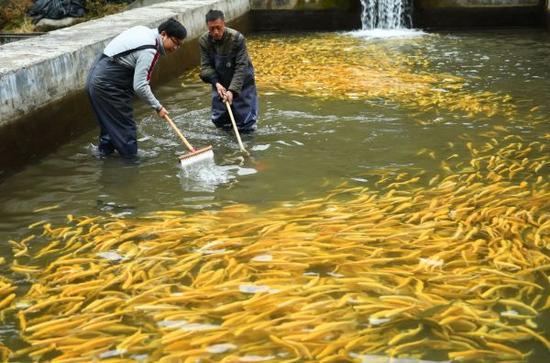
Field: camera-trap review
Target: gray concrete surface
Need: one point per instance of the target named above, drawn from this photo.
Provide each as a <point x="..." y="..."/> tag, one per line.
<point x="479" y="3"/>
<point x="310" y="15"/>
<point x="37" y="71"/>
<point x="470" y="14"/>
<point x="302" y="5"/>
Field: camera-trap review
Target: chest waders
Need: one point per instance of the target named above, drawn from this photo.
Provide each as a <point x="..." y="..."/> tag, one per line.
<point x="245" y="104"/>
<point x="111" y="91"/>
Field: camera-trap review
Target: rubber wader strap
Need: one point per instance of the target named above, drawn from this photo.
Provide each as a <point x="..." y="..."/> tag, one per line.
<point x="126" y="52"/>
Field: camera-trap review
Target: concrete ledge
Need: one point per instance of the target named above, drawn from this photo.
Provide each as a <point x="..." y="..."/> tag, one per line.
<point x="477" y="3"/>
<point x="305" y="20"/>
<point x="300" y="15"/>
<point x="471" y="14"/>
<point x="13" y="37"/>
<point x="303" y="5"/>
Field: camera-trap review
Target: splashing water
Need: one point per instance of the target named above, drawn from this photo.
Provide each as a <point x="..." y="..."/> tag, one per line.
<point x="206" y="176"/>
<point x="203" y="176"/>
<point x="383" y="34"/>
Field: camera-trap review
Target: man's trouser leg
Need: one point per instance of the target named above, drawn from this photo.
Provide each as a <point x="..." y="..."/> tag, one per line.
<point x="110" y="89"/>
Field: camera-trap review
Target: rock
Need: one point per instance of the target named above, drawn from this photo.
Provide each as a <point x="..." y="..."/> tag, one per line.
<point x="52" y="24"/>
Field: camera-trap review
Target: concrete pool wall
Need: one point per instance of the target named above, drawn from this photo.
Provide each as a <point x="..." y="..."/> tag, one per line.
<point x="313" y="15"/>
<point x="42" y="101"/>
<point x="285" y="15"/>
<point x="477" y="13"/>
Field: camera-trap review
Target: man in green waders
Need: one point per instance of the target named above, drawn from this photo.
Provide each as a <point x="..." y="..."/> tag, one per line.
<point x="225" y="64"/>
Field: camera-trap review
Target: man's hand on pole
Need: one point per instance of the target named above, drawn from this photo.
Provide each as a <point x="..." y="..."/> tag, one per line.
<point x="225" y="94"/>
<point x="229" y="97"/>
<point x="221" y="90"/>
<point x="162" y="112"/>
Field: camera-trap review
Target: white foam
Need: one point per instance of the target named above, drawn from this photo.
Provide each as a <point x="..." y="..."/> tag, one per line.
<point x="260" y="147"/>
<point x="378" y="321"/>
<point x="256" y="358"/>
<point x="509" y="313"/>
<point x="387" y="33"/>
<point x="220" y="348"/>
<point x="252" y="289"/>
<point x="262" y="258"/>
<point x="140" y="357"/>
<point x="215" y="252"/>
<point x="122" y="214"/>
<point x="204" y="176"/>
<point x="110" y="255"/>
<point x="112" y="353"/>
<point x="367" y="358"/>
<point x="184" y="325"/>
<point x="431" y="262"/>
<point x="246" y="171"/>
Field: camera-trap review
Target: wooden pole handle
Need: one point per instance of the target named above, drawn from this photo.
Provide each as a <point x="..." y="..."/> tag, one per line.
<point x="235" y="127"/>
<point x="167" y="118"/>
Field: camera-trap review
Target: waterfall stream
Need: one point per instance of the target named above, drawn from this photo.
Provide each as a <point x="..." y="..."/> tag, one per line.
<point x="385" y="14"/>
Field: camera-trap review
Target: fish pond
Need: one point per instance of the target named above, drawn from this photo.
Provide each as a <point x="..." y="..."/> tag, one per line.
<point x="396" y="204"/>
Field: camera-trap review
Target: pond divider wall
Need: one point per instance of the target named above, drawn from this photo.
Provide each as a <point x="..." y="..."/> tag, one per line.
<point x="42" y="98"/>
<point x="312" y="15"/>
<point x="302" y="15"/>
<point x="13" y="37"/>
<point x="475" y="14"/>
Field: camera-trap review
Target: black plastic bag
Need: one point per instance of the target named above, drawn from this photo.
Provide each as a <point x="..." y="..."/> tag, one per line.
<point x="57" y="9"/>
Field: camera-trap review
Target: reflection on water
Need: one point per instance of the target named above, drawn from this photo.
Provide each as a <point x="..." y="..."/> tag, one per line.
<point x="441" y="139"/>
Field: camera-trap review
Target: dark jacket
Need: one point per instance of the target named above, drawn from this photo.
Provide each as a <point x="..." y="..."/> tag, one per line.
<point x="232" y="44"/>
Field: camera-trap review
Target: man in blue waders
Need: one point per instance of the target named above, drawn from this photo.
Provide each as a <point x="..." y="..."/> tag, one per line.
<point x="123" y="70"/>
<point x="225" y="64"/>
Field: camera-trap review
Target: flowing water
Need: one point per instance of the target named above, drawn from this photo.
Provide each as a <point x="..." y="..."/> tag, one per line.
<point x="385" y="14"/>
<point x="356" y="109"/>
